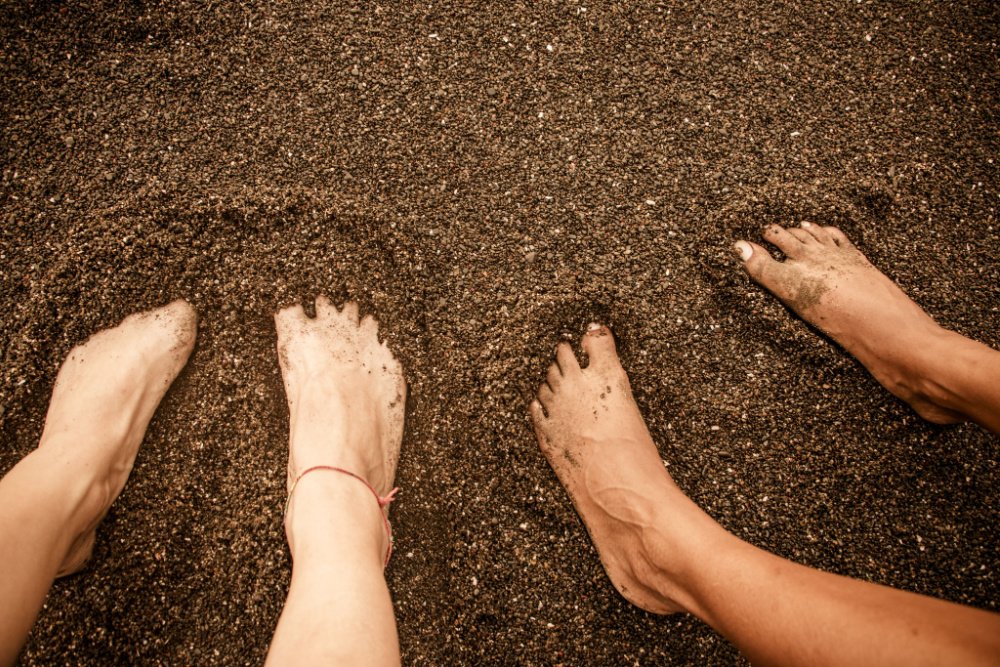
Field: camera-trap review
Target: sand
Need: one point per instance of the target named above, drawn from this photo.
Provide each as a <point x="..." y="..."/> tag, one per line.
<point x="487" y="178"/>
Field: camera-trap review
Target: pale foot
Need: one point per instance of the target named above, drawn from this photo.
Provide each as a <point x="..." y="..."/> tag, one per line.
<point x="591" y="432"/>
<point x="346" y="398"/>
<point x="104" y="396"/>
<point x="829" y="283"/>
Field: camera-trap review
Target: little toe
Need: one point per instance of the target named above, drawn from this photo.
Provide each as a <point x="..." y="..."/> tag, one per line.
<point x="539" y="421"/>
<point x="566" y="359"/>
<point x="787" y="242"/>
<point x="537" y="413"/>
<point x="599" y="345"/>
<point x="286" y="318"/>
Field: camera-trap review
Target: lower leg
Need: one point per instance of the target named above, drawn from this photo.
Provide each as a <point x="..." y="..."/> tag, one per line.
<point x="664" y="554"/>
<point x="46" y="509"/>
<point x="52" y="501"/>
<point x="961" y="375"/>
<point x="781" y="613"/>
<point x="338" y="610"/>
<point x="345" y="396"/>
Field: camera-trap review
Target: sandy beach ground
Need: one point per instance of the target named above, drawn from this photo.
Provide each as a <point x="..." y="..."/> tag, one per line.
<point x="487" y="178"/>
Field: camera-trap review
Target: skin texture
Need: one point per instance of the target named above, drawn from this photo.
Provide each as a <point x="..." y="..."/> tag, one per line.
<point x="346" y="396"/>
<point x="825" y="279"/>
<point x="52" y="501"/>
<point x="664" y="554"/>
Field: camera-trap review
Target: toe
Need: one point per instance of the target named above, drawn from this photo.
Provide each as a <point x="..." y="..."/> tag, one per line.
<point x="545" y="395"/>
<point x="566" y="359"/>
<point x="350" y="312"/>
<point x="183" y="323"/>
<point x="554" y="377"/>
<point x="288" y="317"/>
<point x="786" y="242"/>
<point x="324" y="307"/>
<point x="801" y="234"/>
<point x="818" y="232"/>
<point x="369" y="326"/>
<point x="537" y="413"/>
<point x="838" y="236"/>
<point x="599" y="345"/>
<point x="763" y="268"/>
<point x="182" y="310"/>
<point x="540" y="422"/>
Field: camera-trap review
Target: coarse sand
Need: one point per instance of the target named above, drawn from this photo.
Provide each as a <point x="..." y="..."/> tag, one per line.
<point x="487" y="178"/>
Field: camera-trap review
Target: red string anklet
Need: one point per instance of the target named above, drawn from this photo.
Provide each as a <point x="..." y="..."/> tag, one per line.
<point x="383" y="501"/>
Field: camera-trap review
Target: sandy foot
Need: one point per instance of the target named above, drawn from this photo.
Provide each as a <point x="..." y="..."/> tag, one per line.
<point x="829" y="283"/>
<point x="591" y="432"/>
<point x="346" y="394"/>
<point x="104" y="396"/>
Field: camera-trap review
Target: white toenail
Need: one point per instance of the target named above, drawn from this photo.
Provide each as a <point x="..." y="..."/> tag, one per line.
<point x="593" y="326"/>
<point x="806" y="224"/>
<point x="744" y="249"/>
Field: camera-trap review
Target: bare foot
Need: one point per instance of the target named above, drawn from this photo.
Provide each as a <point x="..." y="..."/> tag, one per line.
<point x="104" y="396"/>
<point x="591" y="432"/>
<point x="829" y="283"/>
<point x="346" y="395"/>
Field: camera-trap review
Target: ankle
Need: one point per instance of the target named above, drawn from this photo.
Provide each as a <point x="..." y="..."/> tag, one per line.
<point x="910" y="362"/>
<point x="675" y="551"/>
<point x="72" y="490"/>
<point x="949" y="363"/>
<point x="333" y="513"/>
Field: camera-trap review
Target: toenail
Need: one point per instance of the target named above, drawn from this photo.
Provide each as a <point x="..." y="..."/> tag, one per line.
<point x="743" y="249"/>
<point x="593" y="326"/>
<point x="806" y="224"/>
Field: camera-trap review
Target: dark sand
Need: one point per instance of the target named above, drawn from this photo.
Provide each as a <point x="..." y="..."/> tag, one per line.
<point x="486" y="196"/>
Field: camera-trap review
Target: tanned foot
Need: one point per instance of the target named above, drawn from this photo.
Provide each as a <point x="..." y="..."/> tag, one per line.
<point x="346" y="397"/>
<point x="829" y="283"/>
<point x="104" y="397"/>
<point x="591" y="432"/>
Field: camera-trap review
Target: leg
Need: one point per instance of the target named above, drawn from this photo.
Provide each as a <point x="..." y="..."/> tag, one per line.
<point x="53" y="499"/>
<point x="664" y="554"/>
<point x="945" y="376"/>
<point x="346" y="397"/>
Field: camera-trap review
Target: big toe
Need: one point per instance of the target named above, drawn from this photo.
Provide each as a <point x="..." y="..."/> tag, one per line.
<point x="763" y="268"/>
<point x="169" y="329"/>
<point x="286" y="319"/>
<point x="599" y="345"/>
<point x="184" y="319"/>
<point x="181" y="310"/>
